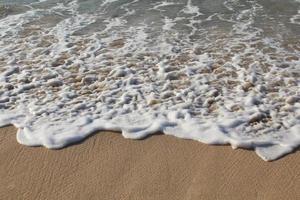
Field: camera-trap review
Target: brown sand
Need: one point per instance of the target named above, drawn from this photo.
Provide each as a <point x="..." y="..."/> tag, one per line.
<point x="107" y="166"/>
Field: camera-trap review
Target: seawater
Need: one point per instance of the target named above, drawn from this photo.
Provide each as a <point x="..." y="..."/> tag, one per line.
<point x="216" y="71"/>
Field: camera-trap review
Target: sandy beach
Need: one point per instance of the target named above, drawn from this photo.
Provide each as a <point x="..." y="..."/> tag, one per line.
<point x="219" y="72"/>
<point x="107" y="166"/>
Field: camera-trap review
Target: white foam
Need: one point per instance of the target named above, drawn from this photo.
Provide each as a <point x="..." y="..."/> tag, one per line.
<point x="191" y="9"/>
<point x="178" y="75"/>
<point x="295" y="19"/>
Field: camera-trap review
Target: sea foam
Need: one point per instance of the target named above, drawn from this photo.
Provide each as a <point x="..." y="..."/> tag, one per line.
<point x="217" y="72"/>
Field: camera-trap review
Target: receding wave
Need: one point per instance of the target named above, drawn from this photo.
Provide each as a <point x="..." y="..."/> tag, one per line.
<point x="220" y="72"/>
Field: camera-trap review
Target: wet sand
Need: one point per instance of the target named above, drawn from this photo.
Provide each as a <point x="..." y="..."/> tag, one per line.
<point x="107" y="166"/>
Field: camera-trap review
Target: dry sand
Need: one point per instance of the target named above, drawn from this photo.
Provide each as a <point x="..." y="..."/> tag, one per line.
<point x="107" y="166"/>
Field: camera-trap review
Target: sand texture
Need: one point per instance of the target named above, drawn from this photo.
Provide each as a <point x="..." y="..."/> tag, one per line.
<point x="107" y="166"/>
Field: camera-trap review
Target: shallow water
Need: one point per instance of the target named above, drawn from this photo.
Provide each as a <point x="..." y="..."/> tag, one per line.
<point x="215" y="71"/>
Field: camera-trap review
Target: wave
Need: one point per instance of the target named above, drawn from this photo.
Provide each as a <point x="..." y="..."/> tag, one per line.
<point x="217" y="72"/>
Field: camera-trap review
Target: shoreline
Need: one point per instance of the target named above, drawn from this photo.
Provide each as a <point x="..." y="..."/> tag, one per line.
<point x="159" y="167"/>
